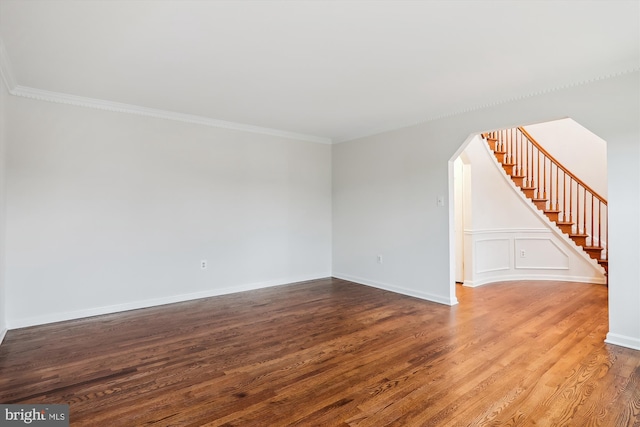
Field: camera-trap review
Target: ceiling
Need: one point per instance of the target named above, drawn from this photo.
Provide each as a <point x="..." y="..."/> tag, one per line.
<point x="330" y="69"/>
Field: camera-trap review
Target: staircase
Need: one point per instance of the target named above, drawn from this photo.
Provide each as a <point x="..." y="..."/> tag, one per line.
<point x="567" y="201"/>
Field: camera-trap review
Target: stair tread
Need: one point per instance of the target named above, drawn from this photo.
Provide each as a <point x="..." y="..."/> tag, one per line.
<point x="551" y="211"/>
<point x="540" y="200"/>
<point x="518" y="176"/>
<point x="592" y="248"/>
<point x="578" y="235"/>
<point x="603" y="261"/>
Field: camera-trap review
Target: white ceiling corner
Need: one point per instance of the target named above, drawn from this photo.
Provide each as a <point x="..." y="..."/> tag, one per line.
<point x="5" y="69"/>
<point x="99" y="104"/>
<point x="319" y="71"/>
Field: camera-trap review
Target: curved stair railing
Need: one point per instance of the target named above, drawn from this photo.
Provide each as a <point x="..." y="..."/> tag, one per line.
<point x="565" y="199"/>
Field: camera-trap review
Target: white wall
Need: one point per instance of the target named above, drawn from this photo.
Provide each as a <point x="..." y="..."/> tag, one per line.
<point x="505" y="223"/>
<point x="581" y="151"/>
<point x="384" y="203"/>
<point x="386" y="186"/>
<point x="3" y="300"/>
<point x="109" y="211"/>
<point x="459" y="205"/>
<point x="623" y="153"/>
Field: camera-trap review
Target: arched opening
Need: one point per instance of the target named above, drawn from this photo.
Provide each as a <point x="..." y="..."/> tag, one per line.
<point x="513" y="223"/>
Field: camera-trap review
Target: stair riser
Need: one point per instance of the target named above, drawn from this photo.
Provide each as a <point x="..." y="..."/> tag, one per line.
<point x="552" y="216"/>
<point x="518" y="180"/>
<point x="580" y="241"/>
<point x="594" y="254"/>
<point x="542" y="205"/>
<point x="508" y="169"/>
<point x="566" y="229"/>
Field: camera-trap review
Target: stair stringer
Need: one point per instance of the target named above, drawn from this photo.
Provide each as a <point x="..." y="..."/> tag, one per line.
<point x="545" y="220"/>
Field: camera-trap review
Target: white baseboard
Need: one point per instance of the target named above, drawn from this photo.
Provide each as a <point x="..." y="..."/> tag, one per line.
<point x="3" y="333"/>
<point x="135" y="305"/>
<point x="545" y="277"/>
<point x="623" y="341"/>
<point x="398" y="290"/>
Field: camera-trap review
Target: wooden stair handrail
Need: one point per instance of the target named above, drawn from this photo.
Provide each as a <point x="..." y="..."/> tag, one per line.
<point x="532" y="167"/>
<point x="560" y="165"/>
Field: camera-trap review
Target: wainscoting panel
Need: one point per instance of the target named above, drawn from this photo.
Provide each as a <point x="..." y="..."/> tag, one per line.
<point x="493" y="254"/>
<point x="499" y="255"/>
<point x="539" y="253"/>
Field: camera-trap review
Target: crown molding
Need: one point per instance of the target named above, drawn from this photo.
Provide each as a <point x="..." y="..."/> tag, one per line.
<point x="63" y="98"/>
<point x="5" y="69"/>
<point x="633" y="69"/>
<point x="99" y="104"/>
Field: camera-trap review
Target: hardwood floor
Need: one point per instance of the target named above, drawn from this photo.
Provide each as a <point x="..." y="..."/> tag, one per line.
<point x="333" y="353"/>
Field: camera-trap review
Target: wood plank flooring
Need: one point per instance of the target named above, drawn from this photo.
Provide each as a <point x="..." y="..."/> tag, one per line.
<point x="334" y="353"/>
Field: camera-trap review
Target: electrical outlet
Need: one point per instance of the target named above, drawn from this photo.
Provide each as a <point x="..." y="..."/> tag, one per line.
<point x="523" y="254"/>
<point x="203" y="264"/>
<point x="379" y="259"/>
